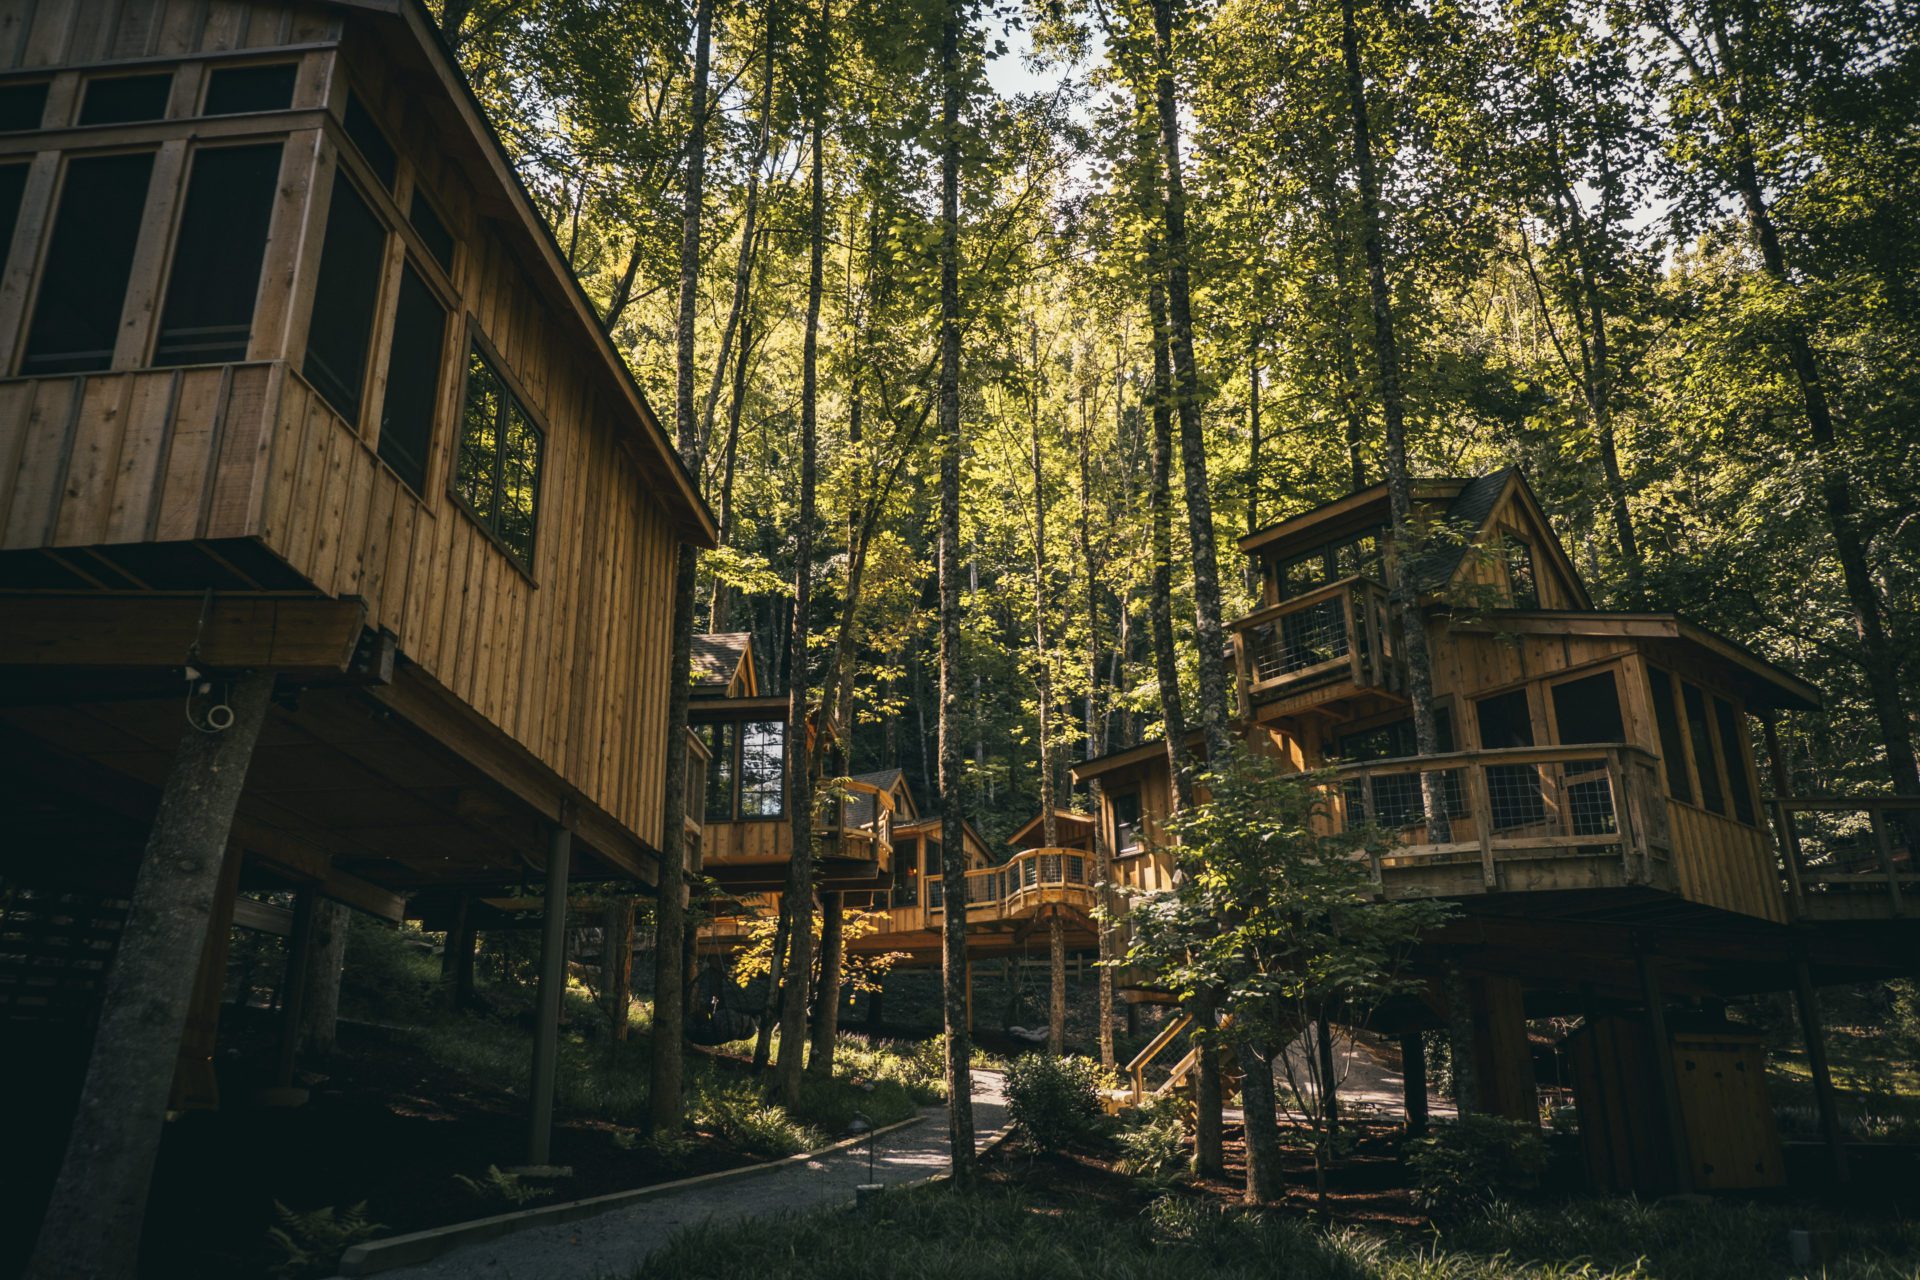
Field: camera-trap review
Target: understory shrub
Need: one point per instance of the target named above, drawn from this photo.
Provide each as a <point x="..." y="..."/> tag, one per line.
<point x="310" y="1243"/>
<point x="1153" y="1141"/>
<point x="1473" y="1160"/>
<point x="1053" y="1100"/>
<point x="498" y="1187"/>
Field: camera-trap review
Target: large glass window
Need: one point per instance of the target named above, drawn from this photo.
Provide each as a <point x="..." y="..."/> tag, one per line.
<point x="719" y="737"/>
<point x="1704" y="760"/>
<point x="413" y="380"/>
<point x="22" y="106"/>
<point x="1672" y="748"/>
<point x="1513" y="790"/>
<point x="1588" y="710"/>
<point x="208" y="318"/>
<point x="762" y="769"/>
<point x="344" y="296"/>
<point x="906" y="873"/>
<point x="13" y="184"/>
<point x="1357" y="555"/>
<point x="83" y="284"/>
<point x="498" y="477"/>
<point x="371" y="140"/>
<point x="1523" y="589"/>
<point x="1735" y="755"/>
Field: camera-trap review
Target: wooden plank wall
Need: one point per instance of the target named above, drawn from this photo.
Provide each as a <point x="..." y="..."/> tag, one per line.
<point x="51" y="33"/>
<point x="160" y="455"/>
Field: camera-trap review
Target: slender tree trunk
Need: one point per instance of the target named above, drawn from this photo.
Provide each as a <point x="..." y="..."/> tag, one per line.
<point x="1097" y="746"/>
<point x="1253" y="434"/>
<point x="326" y="955"/>
<point x="826" y="1014"/>
<point x="1258" y="1104"/>
<point x="1166" y="663"/>
<point x="1329" y="1099"/>
<point x="1209" y="633"/>
<point x="93" y="1221"/>
<point x="664" y="1109"/>
<point x="616" y="963"/>
<point x="1057" y="988"/>
<point x="953" y="850"/>
<point x="1209" y="1146"/>
<point x="718" y="604"/>
<point x="1403" y="592"/>
<point x="799" y="762"/>
<point x="776" y="971"/>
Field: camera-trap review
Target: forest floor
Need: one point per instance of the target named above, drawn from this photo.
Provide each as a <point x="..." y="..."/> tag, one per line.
<point x="1075" y="1216"/>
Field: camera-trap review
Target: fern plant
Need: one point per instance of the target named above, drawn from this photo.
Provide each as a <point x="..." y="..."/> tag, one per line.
<point x="311" y="1242"/>
<point x="502" y="1188"/>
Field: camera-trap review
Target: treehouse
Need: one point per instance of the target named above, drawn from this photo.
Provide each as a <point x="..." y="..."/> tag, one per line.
<point x="1606" y="837"/>
<point x="297" y="387"/>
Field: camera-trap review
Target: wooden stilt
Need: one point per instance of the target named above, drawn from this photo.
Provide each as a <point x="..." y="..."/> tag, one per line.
<point x="553" y="980"/>
<point x="1057" y="984"/>
<point x="1663" y="1072"/>
<point x="969" y="997"/>
<point x="194" y="1084"/>
<point x="293" y="1002"/>
<point x="92" y="1227"/>
<point x="1814" y="1032"/>
<point x="1413" y="1075"/>
<point x="457" y="952"/>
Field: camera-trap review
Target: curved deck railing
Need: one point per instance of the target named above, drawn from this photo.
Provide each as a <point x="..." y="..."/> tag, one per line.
<point x="1023" y="883"/>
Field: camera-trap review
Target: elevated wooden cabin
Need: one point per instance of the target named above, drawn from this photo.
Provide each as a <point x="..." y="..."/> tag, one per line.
<point x="294" y="379"/>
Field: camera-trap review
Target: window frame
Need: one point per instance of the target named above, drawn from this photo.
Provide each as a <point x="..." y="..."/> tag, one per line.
<point x="215" y="66"/>
<point x="1137" y="795"/>
<point x="1516" y="544"/>
<point x="1612" y="667"/>
<point x="740" y="813"/>
<point x="477" y="341"/>
<point x="49" y="224"/>
<point x="176" y="223"/>
<point x="1683" y="745"/>
<point x="380" y="373"/>
<point x="1748" y="787"/>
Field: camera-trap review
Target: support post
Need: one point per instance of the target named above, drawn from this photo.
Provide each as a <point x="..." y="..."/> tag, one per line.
<point x="969" y="996"/>
<point x="1057" y="984"/>
<point x="553" y="980"/>
<point x="1663" y="1071"/>
<point x="1813" y="1031"/>
<point x="1413" y="1078"/>
<point x="93" y="1221"/>
<point x="458" y="953"/>
<point x="293" y="1001"/>
<point x="1782" y="815"/>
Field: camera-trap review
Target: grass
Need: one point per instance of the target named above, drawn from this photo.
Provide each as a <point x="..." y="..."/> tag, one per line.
<point x="1000" y="1233"/>
<point x="1876" y="1081"/>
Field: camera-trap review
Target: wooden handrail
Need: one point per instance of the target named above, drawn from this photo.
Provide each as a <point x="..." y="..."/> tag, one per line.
<point x="1445" y="761"/>
<point x="1305" y="600"/>
<point x="1801" y="874"/>
<point x="1137" y="1068"/>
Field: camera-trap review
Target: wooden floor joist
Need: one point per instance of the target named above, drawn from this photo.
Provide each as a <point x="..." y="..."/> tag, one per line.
<point x="211" y="632"/>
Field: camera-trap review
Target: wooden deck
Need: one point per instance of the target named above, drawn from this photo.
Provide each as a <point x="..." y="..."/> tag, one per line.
<point x="1849" y="859"/>
<point x="1336" y="635"/>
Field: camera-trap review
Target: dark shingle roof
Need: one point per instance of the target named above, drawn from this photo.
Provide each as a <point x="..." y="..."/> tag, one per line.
<point x="716" y="657"/>
<point x="860" y="803"/>
<point x="1466" y="515"/>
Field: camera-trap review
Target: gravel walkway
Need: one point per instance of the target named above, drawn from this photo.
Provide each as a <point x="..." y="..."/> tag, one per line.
<point x="615" y="1243"/>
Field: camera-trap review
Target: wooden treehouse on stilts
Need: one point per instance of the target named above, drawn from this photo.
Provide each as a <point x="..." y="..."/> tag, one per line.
<point x="1611" y="854"/>
<point x="317" y="470"/>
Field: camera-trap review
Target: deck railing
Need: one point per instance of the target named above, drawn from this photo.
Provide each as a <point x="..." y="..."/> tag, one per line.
<point x="866" y="839"/>
<point x="1021" y="883"/>
<point x="1849" y="856"/>
<point x="1338" y="632"/>
<point x="1520" y="805"/>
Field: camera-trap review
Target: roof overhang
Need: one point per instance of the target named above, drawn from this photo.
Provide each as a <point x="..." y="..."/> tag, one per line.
<point x="1061" y="818"/>
<point x="1330" y="518"/>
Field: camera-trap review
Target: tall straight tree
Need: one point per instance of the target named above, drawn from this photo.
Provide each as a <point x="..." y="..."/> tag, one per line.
<point x="664" y="1106"/>
<point x="799" y="761"/>
<point x="1404" y="594"/>
<point x="953" y="849"/>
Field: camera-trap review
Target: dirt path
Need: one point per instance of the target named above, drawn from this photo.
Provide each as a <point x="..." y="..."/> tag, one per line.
<point x="615" y="1244"/>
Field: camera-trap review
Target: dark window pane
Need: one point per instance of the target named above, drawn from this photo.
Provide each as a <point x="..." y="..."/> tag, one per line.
<point x="83" y="284"/>
<point x="233" y="91"/>
<point x="719" y="739"/>
<point x="497" y="476"/>
<point x="906" y="873"/>
<point x="1126" y="822"/>
<point x="1513" y="790"/>
<point x="413" y="380"/>
<point x="1504" y="721"/>
<point x="1703" y="757"/>
<point x="1672" y="750"/>
<point x="1588" y="710"/>
<point x="343" y="300"/>
<point x="13" y="183"/>
<point x="432" y="230"/>
<point x="1736" y="757"/>
<point x="373" y="144"/>
<point x="519" y="482"/>
<point x="476" y="479"/>
<point x="762" y="769"/>
<point x="1521" y="584"/>
<point x="123" y="99"/>
<point x="22" y="106"/>
<point x="216" y="257"/>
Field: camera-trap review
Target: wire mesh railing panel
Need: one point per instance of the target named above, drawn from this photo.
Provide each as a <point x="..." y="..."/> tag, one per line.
<point x="1302" y="639"/>
<point x="1076" y="869"/>
<point x="1590" y="809"/>
<point x="936" y="895"/>
<point x="1514" y="796"/>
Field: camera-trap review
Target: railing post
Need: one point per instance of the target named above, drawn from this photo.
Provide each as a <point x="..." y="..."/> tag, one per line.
<point x="1356" y="659"/>
<point x="1482" y="820"/>
<point x="1242" y="681"/>
<point x="1883" y="844"/>
<point x="1623" y="820"/>
<point x="1790" y="855"/>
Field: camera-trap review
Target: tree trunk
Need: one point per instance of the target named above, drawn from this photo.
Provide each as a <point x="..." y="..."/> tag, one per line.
<point x="1403" y="591"/>
<point x="664" y="1110"/>
<point x="770" y="1007"/>
<point x="826" y="1013"/>
<point x="616" y="963"/>
<point x="93" y="1221"/>
<point x="1264" y="1177"/>
<point x="1329" y="1099"/>
<point x="1166" y="661"/>
<point x="953" y="851"/>
<point x="799" y="762"/>
<point x="1209" y="1150"/>
<point x="1209" y="633"/>
<point x="327" y="953"/>
<point x="1057" y="989"/>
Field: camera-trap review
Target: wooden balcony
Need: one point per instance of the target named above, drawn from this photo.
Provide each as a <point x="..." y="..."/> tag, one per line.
<point x="1334" y="637"/>
<point x="1523" y="820"/>
<point x="1849" y="858"/>
<point x="849" y="852"/>
<point x="1021" y="885"/>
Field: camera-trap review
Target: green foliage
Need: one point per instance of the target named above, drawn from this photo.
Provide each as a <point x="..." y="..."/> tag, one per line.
<point x="1475" y="1159"/>
<point x="502" y="1189"/>
<point x="1153" y="1141"/>
<point x="390" y="973"/>
<point x="310" y="1243"/>
<point x="1053" y="1101"/>
<point x="996" y="1232"/>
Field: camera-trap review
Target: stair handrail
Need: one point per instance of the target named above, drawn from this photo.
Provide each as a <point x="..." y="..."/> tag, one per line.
<point x="1138" y="1066"/>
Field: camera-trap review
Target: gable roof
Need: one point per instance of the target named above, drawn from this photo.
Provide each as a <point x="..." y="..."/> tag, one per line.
<point x="717" y="657"/>
<point x="860" y="803"/>
<point x="409" y="34"/>
<point x="1066" y="822"/>
<point x="1468" y="513"/>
